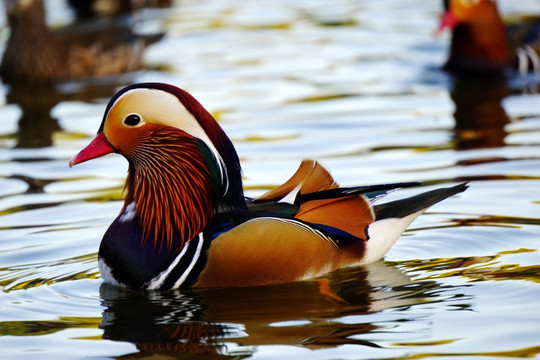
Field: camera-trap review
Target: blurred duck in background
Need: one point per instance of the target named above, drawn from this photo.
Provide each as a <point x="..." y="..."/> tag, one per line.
<point x="91" y="53"/>
<point x="483" y="44"/>
<point x="484" y="50"/>
<point x="100" y="42"/>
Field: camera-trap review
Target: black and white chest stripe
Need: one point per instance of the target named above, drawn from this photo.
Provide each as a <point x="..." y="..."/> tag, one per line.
<point x="184" y="269"/>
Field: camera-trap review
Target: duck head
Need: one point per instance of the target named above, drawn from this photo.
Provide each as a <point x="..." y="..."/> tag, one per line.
<point x="479" y="42"/>
<point x="182" y="166"/>
<point x="467" y="11"/>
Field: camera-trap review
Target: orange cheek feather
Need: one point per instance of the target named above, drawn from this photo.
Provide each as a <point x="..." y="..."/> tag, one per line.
<point x="125" y="140"/>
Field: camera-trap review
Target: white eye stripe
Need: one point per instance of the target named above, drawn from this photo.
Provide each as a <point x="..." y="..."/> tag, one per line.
<point x="155" y="106"/>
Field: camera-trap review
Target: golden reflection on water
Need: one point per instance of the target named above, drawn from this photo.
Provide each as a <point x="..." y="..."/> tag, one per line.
<point x="24" y="277"/>
<point x="482" y="268"/>
<point x="33" y="328"/>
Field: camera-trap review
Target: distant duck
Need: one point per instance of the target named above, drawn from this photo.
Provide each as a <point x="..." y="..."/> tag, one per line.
<point x="186" y="222"/>
<point x="35" y="54"/>
<point x="483" y="44"/>
<point x="93" y="56"/>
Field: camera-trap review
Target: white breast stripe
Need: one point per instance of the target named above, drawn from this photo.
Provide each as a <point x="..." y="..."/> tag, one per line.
<point x="128" y="214"/>
<point x="196" y="256"/>
<point x="106" y="273"/>
<point x="160" y="278"/>
<point x="535" y="61"/>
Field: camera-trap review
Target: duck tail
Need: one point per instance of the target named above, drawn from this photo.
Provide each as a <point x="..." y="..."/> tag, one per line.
<point x="421" y="202"/>
<point x="392" y="218"/>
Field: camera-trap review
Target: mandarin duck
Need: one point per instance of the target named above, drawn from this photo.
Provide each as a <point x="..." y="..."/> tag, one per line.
<point x="185" y="220"/>
<point x="482" y="43"/>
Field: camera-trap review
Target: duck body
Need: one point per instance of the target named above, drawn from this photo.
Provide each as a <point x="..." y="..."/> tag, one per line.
<point x="186" y="222"/>
<point x="483" y="44"/>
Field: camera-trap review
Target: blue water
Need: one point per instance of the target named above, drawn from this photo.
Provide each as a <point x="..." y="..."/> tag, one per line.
<point x="355" y="85"/>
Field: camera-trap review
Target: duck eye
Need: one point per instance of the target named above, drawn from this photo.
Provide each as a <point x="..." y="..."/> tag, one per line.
<point x="132" y="120"/>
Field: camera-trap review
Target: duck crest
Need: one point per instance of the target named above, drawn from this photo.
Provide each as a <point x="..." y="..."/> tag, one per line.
<point x="170" y="185"/>
<point x="232" y="193"/>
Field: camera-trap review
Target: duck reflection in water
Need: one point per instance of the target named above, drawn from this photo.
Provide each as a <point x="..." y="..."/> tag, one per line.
<point x="81" y="61"/>
<point x="209" y="321"/>
<point x="482" y="43"/>
<point x="486" y="58"/>
<point x="480" y="118"/>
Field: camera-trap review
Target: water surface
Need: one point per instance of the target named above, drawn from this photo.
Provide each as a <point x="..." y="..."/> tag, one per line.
<point x="354" y="84"/>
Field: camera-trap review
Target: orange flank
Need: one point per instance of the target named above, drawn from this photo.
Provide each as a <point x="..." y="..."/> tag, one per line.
<point x="267" y="251"/>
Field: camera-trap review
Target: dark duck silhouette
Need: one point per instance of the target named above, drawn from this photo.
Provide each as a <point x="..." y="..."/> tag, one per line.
<point x="186" y="222"/>
<point x="483" y="44"/>
<point x="38" y="62"/>
<point x="480" y="118"/>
